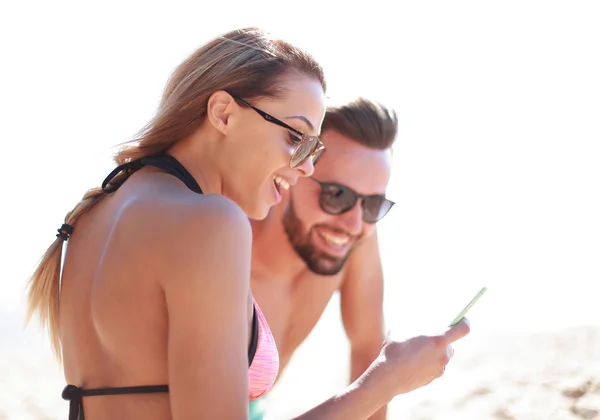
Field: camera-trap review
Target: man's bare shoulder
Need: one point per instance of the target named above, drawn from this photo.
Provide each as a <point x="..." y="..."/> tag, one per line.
<point x="364" y="259"/>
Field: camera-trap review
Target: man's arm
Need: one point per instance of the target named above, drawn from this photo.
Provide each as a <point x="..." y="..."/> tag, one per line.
<point x="362" y="308"/>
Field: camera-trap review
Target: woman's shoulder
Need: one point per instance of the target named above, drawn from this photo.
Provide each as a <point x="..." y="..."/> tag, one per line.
<point x="181" y="220"/>
<point x="166" y="205"/>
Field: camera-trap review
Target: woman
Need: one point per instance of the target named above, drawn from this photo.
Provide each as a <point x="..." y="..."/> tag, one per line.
<point x="155" y="284"/>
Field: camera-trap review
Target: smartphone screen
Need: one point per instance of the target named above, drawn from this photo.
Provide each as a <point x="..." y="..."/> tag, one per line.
<point x="462" y="313"/>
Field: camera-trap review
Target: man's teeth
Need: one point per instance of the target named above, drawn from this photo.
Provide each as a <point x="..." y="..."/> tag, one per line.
<point x="335" y="240"/>
<point x="282" y="183"/>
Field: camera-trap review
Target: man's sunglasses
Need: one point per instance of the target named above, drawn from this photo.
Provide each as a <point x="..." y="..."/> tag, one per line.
<point x="308" y="146"/>
<point x="338" y="199"/>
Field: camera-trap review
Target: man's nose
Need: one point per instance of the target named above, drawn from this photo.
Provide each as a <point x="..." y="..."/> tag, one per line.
<point x="352" y="220"/>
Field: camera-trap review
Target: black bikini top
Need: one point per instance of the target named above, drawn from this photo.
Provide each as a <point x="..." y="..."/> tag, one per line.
<point x="172" y="166"/>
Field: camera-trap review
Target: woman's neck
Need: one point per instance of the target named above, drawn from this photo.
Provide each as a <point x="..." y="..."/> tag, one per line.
<point x="195" y="153"/>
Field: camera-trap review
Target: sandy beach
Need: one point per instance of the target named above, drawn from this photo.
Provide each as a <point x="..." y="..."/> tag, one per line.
<point x="519" y="377"/>
<point x="500" y="376"/>
<point x="554" y="375"/>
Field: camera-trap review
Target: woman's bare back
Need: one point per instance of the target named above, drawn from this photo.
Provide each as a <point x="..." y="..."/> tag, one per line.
<point x="113" y="313"/>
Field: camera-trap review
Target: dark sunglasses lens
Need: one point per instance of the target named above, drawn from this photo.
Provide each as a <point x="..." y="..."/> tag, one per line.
<point x="375" y="208"/>
<point x="336" y="199"/>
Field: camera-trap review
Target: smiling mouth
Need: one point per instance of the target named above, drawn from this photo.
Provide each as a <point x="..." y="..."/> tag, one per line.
<point x="335" y="240"/>
<point x="281" y="183"/>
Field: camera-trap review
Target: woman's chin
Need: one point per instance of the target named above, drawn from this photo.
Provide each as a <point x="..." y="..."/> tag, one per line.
<point x="259" y="212"/>
<point x="258" y="206"/>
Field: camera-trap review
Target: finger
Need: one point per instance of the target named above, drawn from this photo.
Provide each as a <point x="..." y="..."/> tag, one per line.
<point x="457" y="331"/>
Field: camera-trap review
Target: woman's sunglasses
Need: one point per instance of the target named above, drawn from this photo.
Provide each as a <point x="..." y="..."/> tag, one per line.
<point x="308" y="146"/>
<point x="338" y="199"/>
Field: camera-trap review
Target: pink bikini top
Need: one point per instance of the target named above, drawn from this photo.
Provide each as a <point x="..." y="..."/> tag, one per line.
<point x="265" y="364"/>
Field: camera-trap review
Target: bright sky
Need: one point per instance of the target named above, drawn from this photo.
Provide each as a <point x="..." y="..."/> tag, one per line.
<point x="496" y="166"/>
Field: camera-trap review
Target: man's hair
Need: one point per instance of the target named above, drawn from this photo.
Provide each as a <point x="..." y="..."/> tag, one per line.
<point x="367" y="122"/>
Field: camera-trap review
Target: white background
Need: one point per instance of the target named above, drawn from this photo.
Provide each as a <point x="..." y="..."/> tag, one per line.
<point x="496" y="174"/>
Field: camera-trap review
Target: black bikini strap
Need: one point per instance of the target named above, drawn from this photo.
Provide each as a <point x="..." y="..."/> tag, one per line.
<point x="162" y="161"/>
<point x="254" y="340"/>
<point x="74" y="395"/>
<point x="171" y="165"/>
<point x="109" y="186"/>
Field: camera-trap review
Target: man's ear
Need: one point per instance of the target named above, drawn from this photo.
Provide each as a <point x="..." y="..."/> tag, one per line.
<point x="218" y="110"/>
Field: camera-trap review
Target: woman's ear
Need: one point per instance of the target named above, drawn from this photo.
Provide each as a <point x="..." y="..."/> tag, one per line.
<point x="218" y="110"/>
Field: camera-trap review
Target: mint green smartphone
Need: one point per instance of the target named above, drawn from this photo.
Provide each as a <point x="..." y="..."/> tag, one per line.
<point x="462" y="313"/>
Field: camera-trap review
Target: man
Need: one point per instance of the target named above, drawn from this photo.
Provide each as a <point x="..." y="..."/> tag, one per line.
<point x="322" y="238"/>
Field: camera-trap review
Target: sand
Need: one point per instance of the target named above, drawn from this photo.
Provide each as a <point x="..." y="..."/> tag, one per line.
<point x="520" y="377"/>
<point x="501" y="376"/>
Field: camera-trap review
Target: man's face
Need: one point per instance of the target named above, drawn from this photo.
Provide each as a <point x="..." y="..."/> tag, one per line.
<point x="322" y="240"/>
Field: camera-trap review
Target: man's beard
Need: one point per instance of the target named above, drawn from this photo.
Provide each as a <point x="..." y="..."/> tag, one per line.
<point x="316" y="261"/>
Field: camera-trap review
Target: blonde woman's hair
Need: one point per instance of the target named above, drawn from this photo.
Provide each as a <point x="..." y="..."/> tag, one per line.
<point x="247" y="63"/>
